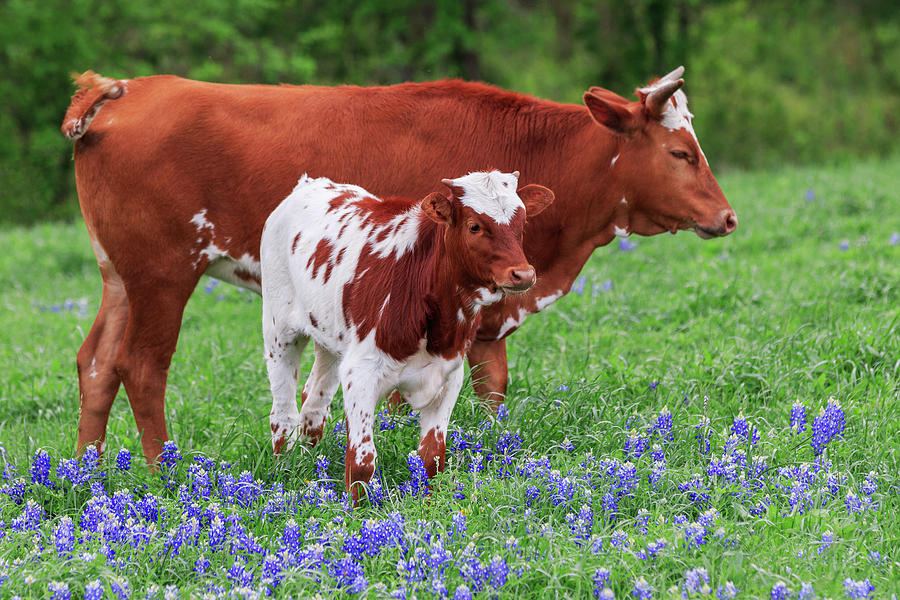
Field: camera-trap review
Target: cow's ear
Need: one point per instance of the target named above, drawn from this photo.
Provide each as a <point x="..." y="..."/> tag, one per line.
<point x="535" y="198"/>
<point x="436" y="207"/>
<point x="610" y="110"/>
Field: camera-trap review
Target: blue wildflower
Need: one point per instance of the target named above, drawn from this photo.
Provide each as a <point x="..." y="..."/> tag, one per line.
<point x="844" y="245"/>
<point x="828" y="425"/>
<point x="502" y="412"/>
<point x="123" y="460"/>
<point x="779" y="591"/>
<point x="93" y="590"/>
<point x="40" y="469"/>
<point x="696" y="581"/>
<point x="727" y="591"/>
<point x="798" y="418"/>
<point x="858" y="589"/>
<point x="642" y="590"/>
<point x="462" y="593"/>
<point x="825" y="544"/>
<point x="895" y="239"/>
<point x="562" y="388"/>
<point x="601" y="581"/>
<point x="64" y="538"/>
<point x="579" y="285"/>
<point x="59" y="591"/>
<point x="806" y="592"/>
<point x="626" y="245"/>
<point x="810" y="195"/>
<point x="703" y="435"/>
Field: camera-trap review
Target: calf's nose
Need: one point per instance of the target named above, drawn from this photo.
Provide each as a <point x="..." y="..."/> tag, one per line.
<point x="522" y="279"/>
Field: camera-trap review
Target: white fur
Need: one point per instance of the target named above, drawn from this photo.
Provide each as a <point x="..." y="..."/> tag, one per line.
<point x="620" y="231"/>
<point x="539" y="305"/>
<point x="614" y="159"/>
<point x="676" y="117"/>
<point x="492" y="194"/>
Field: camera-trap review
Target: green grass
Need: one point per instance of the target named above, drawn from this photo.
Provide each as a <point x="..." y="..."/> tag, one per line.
<point x="775" y="314"/>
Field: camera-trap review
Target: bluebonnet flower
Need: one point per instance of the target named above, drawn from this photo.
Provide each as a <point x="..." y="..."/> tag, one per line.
<point x="462" y="593"/>
<point x="663" y="425"/>
<point x="635" y="445"/>
<point x="806" y="592"/>
<point x="120" y="588"/>
<point x="895" y="239"/>
<point x="418" y="480"/>
<point x="459" y="526"/>
<point x="656" y="473"/>
<point x="59" y="591"/>
<point x="619" y="539"/>
<point x="652" y="550"/>
<point x="502" y="412"/>
<point x="642" y="590"/>
<point x="579" y="285"/>
<point x="626" y="245"/>
<point x="703" y="435"/>
<point x="798" y="418"/>
<point x="170" y="454"/>
<point x="810" y="195"/>
<point x="64" y="537"/>
<point x="825" y="544"/>
<point x="694" y="535"/>
<point x="727" y="591"/>
<point x="643" y="518"/>
<point x="567" y="445"/>
<point x="40" y="469"/>
<point x="858" y="589"/>
<point x="497" y="572"/>
<point x="744" y="430"/>
<point x="696" y="490"/>
<point x="844" y="245"/>
<point x="828" y="425"/>
<point x="601" y="288"/>
<point x="123" y="459"/>
<point x="562" y="388"/>
<point x="779" y="591"/>
<point x="201" y="565"/>
<point x="93" y="590"/>
<point x="696" y="581"/>
<point x="601" y="581"/>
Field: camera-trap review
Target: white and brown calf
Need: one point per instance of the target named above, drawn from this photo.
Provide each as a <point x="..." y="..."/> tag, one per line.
<point x="390" y="292"/>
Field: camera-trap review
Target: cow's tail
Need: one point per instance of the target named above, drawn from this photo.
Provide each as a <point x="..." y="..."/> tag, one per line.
<point x="93" y="92"/>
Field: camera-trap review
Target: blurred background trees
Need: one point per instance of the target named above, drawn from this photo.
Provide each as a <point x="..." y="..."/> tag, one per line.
<point x="770" y="82"/>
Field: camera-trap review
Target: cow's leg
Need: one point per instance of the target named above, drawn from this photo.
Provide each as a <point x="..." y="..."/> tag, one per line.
<point x="98" y="381"/>
<point x="283" y="348"/>
<point x="489" y="372"/>
<point x="155" y="309"/>
<point x="361" y="393"/>
<point x="434" y="419"/>
<point x="317" y="394"/>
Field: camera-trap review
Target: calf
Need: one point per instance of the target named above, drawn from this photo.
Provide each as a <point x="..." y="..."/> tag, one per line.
<point x="390" y="292"/>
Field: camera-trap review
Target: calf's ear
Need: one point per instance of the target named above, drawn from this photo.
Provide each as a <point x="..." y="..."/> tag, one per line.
<point x="535" y="198"/>
<point x="437" y="207"/>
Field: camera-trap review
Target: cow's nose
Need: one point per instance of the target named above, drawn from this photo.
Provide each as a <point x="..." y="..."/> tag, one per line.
<point x="521" y="279"/>
<point x="729" y="221"/>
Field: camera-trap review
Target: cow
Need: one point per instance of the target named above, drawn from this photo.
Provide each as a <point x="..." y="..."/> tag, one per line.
<point x="390" y="292"/>
<point x="176" y="179"/>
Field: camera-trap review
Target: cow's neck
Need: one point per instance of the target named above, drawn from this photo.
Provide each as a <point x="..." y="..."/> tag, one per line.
<point x="583" y="176"/>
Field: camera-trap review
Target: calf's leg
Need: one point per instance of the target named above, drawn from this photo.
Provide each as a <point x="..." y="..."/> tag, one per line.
<point x="282" y="352"/>
<point x="487" y="360"/>
<point x="361" y="393"/>
<point x="317" y="394"/>
<point x="434" y="419"/>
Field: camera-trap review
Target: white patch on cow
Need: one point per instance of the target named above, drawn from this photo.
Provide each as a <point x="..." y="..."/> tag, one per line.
<point x="93" y="372"/>
<point x="201" y="222"/>
<point x="484" y="296"/>
<point x="460" y="316"/>
<point x="620" y="231"/>
<point x="492" y="194"/>
<point x="243" y="272"/>
<point x="512" y="322"/>
<point x="99" y="252"/>
<point x="614" y="159"/>
<point x="676" y="114"/>
<point x="546" y="301"/>
<point x="624" y="201"/>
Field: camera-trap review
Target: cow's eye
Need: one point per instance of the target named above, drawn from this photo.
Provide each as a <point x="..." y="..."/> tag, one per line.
<point x="474" y="228"/>
<point x="680" y="154"/>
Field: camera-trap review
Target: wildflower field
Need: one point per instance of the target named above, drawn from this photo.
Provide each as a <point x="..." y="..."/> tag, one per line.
<point x="696" y="419"/>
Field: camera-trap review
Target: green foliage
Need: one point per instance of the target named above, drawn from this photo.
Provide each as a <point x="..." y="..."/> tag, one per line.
<point x="770" y="82"/>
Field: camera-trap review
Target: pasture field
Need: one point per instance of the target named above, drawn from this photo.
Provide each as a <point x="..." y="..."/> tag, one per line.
<point x="653" y="442"/>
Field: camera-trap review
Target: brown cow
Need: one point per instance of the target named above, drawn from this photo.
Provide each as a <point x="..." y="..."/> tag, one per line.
<point x="176" y="179"/>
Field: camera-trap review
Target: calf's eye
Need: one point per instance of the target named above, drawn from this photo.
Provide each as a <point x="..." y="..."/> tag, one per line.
<point x="679" y="154"/>
<point x="474" y="228"/>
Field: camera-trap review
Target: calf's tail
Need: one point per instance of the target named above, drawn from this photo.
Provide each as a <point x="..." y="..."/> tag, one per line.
<point x="93" y="92"/>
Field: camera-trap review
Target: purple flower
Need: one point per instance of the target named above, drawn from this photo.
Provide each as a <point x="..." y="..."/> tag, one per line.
<point x="601" y="581"/>
<point x="40" y="469"/>
<point x="858" y="589"/>
<point x="844" y="245"/>
<point x="64" y="538"/>
<point x="825" y="544"/>
<point x="895" y="239"/>
<point x="727" y="591"/>
<point x="123" y="460"/>
<point x="806" y="592"/>
<point x="642" y="590"/>
<point x="502" y="412"/>
<point x="779" y="591"/>
<point x="810" y="195"/>
<point x="93" y="590"/>
<point x="798" y="418"/>
<point x="695" y="581"/>
<point x="827" y="426"/>
<point x="462" y="593"/>
<point x="626" y="245"/>
<point x="579" y="285"/>
<point x="59" y="591"/>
